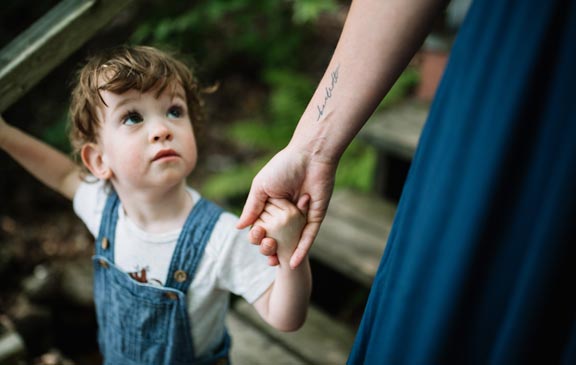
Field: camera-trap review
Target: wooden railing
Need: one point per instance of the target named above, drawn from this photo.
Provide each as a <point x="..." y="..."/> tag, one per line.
<point x="49" y="41"/>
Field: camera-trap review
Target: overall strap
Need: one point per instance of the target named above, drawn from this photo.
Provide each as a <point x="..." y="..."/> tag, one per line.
<point x="107" y="232"/>
<point x="191" y="243"/>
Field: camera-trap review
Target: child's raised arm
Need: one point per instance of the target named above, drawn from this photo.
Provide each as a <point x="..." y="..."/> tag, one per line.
<point x="285" y="304"/>
<point x="47" y="164"/>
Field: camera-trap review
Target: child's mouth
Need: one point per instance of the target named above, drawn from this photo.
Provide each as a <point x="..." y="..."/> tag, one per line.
<point x="164" y="154"/>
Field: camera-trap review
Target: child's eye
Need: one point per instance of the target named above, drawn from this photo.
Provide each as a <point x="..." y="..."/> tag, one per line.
<point x="175" y="112"/>
<point x="132" y="118"/>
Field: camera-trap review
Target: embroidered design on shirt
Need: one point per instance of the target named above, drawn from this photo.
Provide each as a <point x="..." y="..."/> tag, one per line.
<point x="141" y="276"/>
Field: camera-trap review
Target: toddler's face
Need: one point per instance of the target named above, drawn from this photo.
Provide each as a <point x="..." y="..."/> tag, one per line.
<point x="147" y="140"/>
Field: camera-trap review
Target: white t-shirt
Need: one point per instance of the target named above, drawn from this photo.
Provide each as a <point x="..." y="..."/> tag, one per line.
<point x="229" y="263"/>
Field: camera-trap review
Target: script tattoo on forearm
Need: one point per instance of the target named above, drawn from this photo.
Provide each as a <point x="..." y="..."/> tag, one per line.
<point x="328" y="92"/>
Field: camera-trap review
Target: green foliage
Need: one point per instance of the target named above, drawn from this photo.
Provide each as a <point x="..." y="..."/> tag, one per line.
<point x="356" y="168"/>
<point x="234" y="182"/>
<point x="290" y="94"/>
<point x="290" y="91"/>
<point x="309" y="10"/>
<point x="265" y="33"/>
<point x="56" y="134"/>
<point x="407" y="81"/>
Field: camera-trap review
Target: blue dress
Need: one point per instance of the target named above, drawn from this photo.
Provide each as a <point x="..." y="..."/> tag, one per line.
<point x="480" y="266"/>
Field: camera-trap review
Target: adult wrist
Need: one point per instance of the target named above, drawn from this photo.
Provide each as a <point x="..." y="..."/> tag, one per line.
<point x="314" y="149"/>
<point x="321" y="141"/>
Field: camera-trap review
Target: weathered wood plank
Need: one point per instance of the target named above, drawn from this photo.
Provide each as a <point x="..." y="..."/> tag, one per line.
<point x="252" y="347"/>
<point x="354" y="233"/>
<point x="397" y="130"/>
<point x="43" y="46"/>
<point x="320" y="341"/>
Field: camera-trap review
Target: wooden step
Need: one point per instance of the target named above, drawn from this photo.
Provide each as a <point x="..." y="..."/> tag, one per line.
<point x="321" y="340"/>
<point x="397" y="129"/>
<point x="250" y="346"/>
<point x="354" y="233"/>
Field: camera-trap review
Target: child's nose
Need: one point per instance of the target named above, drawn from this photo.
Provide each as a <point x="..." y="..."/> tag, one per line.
<point x="160" y="132"/>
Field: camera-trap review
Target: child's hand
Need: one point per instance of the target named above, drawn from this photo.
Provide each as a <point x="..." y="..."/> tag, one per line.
<point x="284" y="222"/>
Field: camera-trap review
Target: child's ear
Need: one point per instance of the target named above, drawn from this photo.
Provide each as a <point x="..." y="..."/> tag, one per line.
<point x="92" y="158"/>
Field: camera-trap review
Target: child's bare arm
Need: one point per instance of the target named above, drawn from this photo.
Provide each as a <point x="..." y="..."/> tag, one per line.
<point x="285" y="304"/>
<point x="47" y="164"/>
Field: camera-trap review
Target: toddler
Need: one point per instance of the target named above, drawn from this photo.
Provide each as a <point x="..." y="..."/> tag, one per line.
<point x="166" y="259"/>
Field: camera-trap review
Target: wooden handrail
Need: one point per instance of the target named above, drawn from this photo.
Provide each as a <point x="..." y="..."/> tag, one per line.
<point x="49" y="41"/>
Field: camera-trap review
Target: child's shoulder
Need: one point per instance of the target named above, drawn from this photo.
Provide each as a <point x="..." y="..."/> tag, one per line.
<point x="224" y="234"/>
<point x="89" y="202"/>
<point x="92" y="186"/>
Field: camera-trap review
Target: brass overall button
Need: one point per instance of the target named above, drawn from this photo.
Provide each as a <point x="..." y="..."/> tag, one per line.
<point x="103" y="263"/>
<point x="171" y="295"/>
<point x="105" y="243"/>
<point x="180" y="276"/>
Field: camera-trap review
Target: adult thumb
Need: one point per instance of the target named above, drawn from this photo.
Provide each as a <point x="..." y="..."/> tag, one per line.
<point x="252" y="208"/>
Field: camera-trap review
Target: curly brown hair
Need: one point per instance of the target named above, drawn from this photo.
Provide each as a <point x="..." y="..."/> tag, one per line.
<point x="118" y="70"/>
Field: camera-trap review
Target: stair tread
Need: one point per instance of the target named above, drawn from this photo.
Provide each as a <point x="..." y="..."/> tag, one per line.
<point x="321" y="340"/>
<point x="353" y="235"/>
<point x="250" y="346"/>
<point x="397" y="130"/>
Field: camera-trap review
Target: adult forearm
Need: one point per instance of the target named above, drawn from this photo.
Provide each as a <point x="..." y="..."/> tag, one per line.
<point x="47" y="164"/>
<point x="378" y="40"/>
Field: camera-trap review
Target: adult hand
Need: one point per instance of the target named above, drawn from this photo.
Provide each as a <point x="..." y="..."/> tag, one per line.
<point x="290" y="174"/>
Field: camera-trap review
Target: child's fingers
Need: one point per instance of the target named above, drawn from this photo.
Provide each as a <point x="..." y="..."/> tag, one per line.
<point x="273" y="209"/>
<point x="273" y="260"/>
<point x="281" y="204"/>
<point x="267" y="216"/>
<point x="268" y="247"/>
<point x="256" y="234"/>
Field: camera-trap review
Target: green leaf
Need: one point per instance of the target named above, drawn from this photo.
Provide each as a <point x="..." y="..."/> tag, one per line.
<point x="306" y="11"/>
<point x="234" y="182"/>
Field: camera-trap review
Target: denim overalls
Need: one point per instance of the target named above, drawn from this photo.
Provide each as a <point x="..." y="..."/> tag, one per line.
<point x="139" y="324"/>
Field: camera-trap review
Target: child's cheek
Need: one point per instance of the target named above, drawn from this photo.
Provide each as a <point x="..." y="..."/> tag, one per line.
<point x="133" y="159"/>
